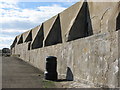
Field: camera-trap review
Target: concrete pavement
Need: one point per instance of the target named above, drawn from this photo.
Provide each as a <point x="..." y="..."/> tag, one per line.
<point x="19" y="74"/>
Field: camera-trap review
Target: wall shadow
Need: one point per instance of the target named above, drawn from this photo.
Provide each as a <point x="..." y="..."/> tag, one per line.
<point x="38" y="41"/>
<point x="118" y="22"/>
<point x="69" y="76"/>
<point x="82" y="26"/>
<point x="20" y="40"/>
<point x="29" y="37"/>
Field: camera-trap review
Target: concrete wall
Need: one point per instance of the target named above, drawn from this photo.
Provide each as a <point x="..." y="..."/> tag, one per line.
<point x="85" y="40"/>
<point x="93" y="59"/>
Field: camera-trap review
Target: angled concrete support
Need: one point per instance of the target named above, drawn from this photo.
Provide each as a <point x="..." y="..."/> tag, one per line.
<point x="82" y="25"/>
<point x="38" y="40"/>
<point x="48" y="25"/>
<point x="25" y="34"/>
<point x="67" y="18"/>
<point x="20" y="39"/>
<point x="35" y="31"/>
<point x="29" y="37"/>
<point x="54" y="36"/>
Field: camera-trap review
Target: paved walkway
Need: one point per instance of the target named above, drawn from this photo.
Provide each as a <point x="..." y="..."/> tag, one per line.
<point x="19" y="74"/>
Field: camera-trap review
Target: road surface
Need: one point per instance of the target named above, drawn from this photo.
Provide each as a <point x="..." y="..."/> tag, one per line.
<point x="19" y="74"/>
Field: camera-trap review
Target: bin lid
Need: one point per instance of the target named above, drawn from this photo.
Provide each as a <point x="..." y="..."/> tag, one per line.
<point x="51" y="57"/>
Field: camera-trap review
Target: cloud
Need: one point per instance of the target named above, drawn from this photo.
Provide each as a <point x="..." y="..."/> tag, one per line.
<point x="2" y="45"/>
<point x="10" y="2"/>
<point x="14" y="1"/>
<point x="5" y="41"/>
<point x="15" y="20"/>
<point x="53" y="8"/>
<point x="12" y="31"/>
<point x="27" y="17"/>
<point x="6" y="38"/>
<point x="8" y="5"/>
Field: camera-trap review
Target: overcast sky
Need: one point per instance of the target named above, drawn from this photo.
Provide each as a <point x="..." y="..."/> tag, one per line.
<point x="17" y="16"/>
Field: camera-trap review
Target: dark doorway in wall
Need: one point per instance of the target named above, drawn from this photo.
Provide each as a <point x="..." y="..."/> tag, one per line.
<point x="29" y="37"/>
<point x="14" y="43"/>
<point x="118" y="22"/>
<point x="82" y="26"/>
<point x="54" y="36"/>
<point x="38" y="41"/>
<point x="20" y="40"/>
<point x="69" y="75"/>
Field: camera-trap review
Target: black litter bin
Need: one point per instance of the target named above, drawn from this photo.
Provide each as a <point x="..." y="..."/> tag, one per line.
<point x="51" y="68"/>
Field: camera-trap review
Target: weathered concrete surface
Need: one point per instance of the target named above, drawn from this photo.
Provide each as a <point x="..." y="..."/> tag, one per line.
<point x="18" y="74"/>
<point x="92" y="49"/>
